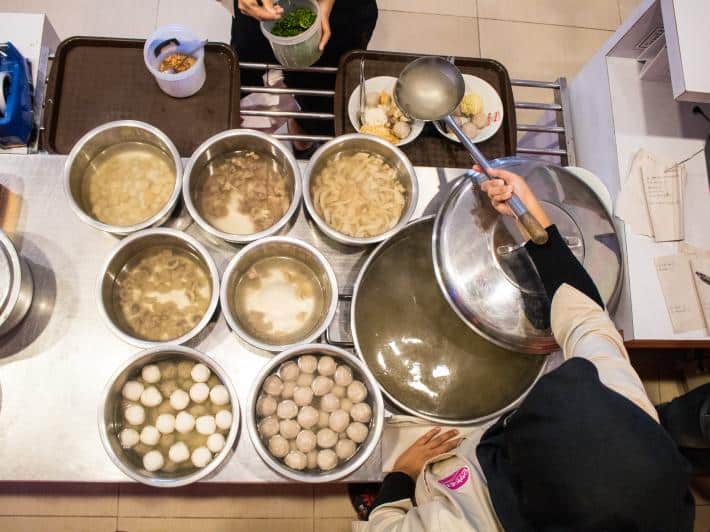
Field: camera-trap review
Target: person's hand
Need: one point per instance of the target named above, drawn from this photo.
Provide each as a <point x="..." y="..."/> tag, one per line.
<point x="266" y="11"/>
<point x="500" y="188"/>
<point x="426" y="447"/>
<point x="326" y="6"/>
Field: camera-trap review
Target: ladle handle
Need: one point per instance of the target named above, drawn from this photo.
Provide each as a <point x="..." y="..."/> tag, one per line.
<point x="533" y="227"/>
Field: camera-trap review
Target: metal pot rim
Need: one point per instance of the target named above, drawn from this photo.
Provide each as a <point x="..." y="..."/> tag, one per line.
<point x="230" y="237"/>
<point x="218" y="461"/>
<point x="226" y="287"/>
<point x="351" y="240"/>
<point x="204" y="255"/>
<point x="7" y="247"/>
<point x="119" y="229"/>
<point x="373" y="437"/>
<point x="358" y="350"/>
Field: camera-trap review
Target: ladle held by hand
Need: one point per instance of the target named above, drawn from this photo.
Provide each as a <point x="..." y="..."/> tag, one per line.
<point x="430" y="88"/>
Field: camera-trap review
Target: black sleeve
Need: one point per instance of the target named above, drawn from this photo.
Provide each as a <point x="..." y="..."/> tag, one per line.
<point x="395" y="487"/>
<point x="557" y="265"/>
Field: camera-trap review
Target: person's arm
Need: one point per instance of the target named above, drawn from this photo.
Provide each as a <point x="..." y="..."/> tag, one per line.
<point x="266" y="10"/>
<point x="326" y="7"/>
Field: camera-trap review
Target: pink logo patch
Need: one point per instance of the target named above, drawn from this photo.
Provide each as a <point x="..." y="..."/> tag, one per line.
<point x="456" y="479"/>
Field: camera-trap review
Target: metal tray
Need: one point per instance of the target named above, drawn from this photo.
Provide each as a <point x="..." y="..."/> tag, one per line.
<point x="430" y="148"/>
<point x="96" y="80"/>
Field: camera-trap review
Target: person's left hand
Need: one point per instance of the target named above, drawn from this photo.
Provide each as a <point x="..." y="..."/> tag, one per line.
<point x="426" y="447"/>
<point x="326" y="6"/>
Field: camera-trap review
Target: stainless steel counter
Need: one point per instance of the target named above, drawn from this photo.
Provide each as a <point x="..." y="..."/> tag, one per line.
<point x="54" y="366"/>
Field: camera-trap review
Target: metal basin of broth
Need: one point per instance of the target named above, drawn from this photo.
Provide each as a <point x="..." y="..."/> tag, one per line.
<point x="425" y="358"/>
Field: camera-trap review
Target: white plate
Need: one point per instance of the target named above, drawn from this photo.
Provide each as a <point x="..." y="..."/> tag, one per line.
<point x="379" y="84"/>
<point x="491" y="104"/>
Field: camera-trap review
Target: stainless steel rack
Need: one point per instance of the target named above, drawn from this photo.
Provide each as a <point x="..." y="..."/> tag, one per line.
<point x="554" y="128"/>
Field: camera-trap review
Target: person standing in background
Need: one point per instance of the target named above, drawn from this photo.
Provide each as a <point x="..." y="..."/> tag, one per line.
<point x="347" y="25"/>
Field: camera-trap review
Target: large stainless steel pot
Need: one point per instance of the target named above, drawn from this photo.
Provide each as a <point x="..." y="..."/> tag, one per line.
<point x="427" y="361"/>
<point x="110" y="418"/>
<point x="236" y="140"/>
<point x="374" y="398"/>
<point x="97" y="140"/>
<point x="16" y="286"/>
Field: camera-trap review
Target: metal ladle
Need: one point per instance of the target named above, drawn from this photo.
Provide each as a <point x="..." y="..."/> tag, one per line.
<point x="430" y="88"/>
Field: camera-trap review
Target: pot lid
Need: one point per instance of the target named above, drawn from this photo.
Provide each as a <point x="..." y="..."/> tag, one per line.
<point x="489" y="279"/>
<point x="8" y="266"/>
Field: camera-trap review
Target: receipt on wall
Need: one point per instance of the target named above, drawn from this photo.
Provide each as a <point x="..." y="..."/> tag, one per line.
<point x="679" y="292"/>
<point x="663" y="188"/>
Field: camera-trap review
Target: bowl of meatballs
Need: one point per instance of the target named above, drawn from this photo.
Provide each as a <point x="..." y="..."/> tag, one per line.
<point x="170" y="417"/>
<point x="315" y="413"/>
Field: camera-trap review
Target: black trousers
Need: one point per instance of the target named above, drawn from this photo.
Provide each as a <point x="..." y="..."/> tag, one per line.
<point x="352" y="23"/>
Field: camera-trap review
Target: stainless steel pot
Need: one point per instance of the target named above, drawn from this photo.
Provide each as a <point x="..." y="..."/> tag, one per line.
<point x="366" y="448"/>
<point x="110" y="418"/>
<point x="97" y="140"/>
<point x="351" y="143"/>
<point x="16" y="286"/>
<point x="228" y="142"/>
<point x="426" y="360"/>
<point x="279" y="247"/>
<point x="127" y="249"/>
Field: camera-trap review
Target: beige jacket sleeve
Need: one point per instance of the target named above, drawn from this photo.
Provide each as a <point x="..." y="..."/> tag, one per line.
<point x="584" y="330"/>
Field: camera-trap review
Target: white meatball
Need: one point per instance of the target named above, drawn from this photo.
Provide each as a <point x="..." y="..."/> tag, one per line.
<point x="302" y="395"/>
<point x="289" y="429"/>
<point x="361" y="412"/>
<point x="269" y="426"/>
<point x="206" y="425"/>
<point x="357" y="432"/>
<point x="346" y="404"/>
<point x="296" y="460"/>
<point x="215" y="442"/>
<point x="201" y="457"/>
<point x="134" y="414"/>
<point x="287" y="409"/>
<point x="326" y="438"/>
<point x="273" y="385"/>
<point x="150" y="373"/>
<point x="308" y="416"/>
<point x="151" y="397"/>
<point x="266" y="406"/>
<point x="305" y="379"/>
<point x="312" y="459"/>
<point x="327" y="459"/>
<point x="219" y="395"/>
<point x="199" y="392"/>
<point x="339" y="420"/>
<point x="306" y="441"/>
<point x="132" y="390"/>
<point x="278" y="446"/>
<point x="323" y="419"/>
<point x="128" y="438"/>
<point x="153" y="460"/>
<point x="288" y="390"/>
<point x="289" y="371"/>
<point x="321" y="385"/>
<point x="338" y="391"/>
<point x="200" y="373"/>
<point x="179" y="399"/>
<point x="329" y="403"/>
<point x="184" y="422"/>
<point x="326" y="366"/>
<point x="223" y="418"/>
<point x="165" y="423"/>
<point x="307" y="363"/>
<point x="345" y="448"/>
<point x="357" y="392"/>
<point x="178" y="452"/>
<point x="343" y="376"/>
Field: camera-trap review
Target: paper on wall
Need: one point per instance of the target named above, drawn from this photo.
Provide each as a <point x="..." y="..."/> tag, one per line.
<point x="676" y="278"/>
<point x="700" y="267"/>
<point x="663" y="188"/>
<point x="631" y="202"/>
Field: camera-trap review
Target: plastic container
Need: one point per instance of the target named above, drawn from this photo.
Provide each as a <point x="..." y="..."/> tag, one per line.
<point x="300" y="50"/>
<point x="182" y="84"/>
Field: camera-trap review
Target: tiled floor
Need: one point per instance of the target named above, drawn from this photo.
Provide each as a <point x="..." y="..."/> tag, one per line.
<point x="536" y="39"/>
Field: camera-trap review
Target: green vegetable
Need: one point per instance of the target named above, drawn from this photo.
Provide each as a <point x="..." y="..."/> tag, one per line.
<point x="294" y="23"/>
